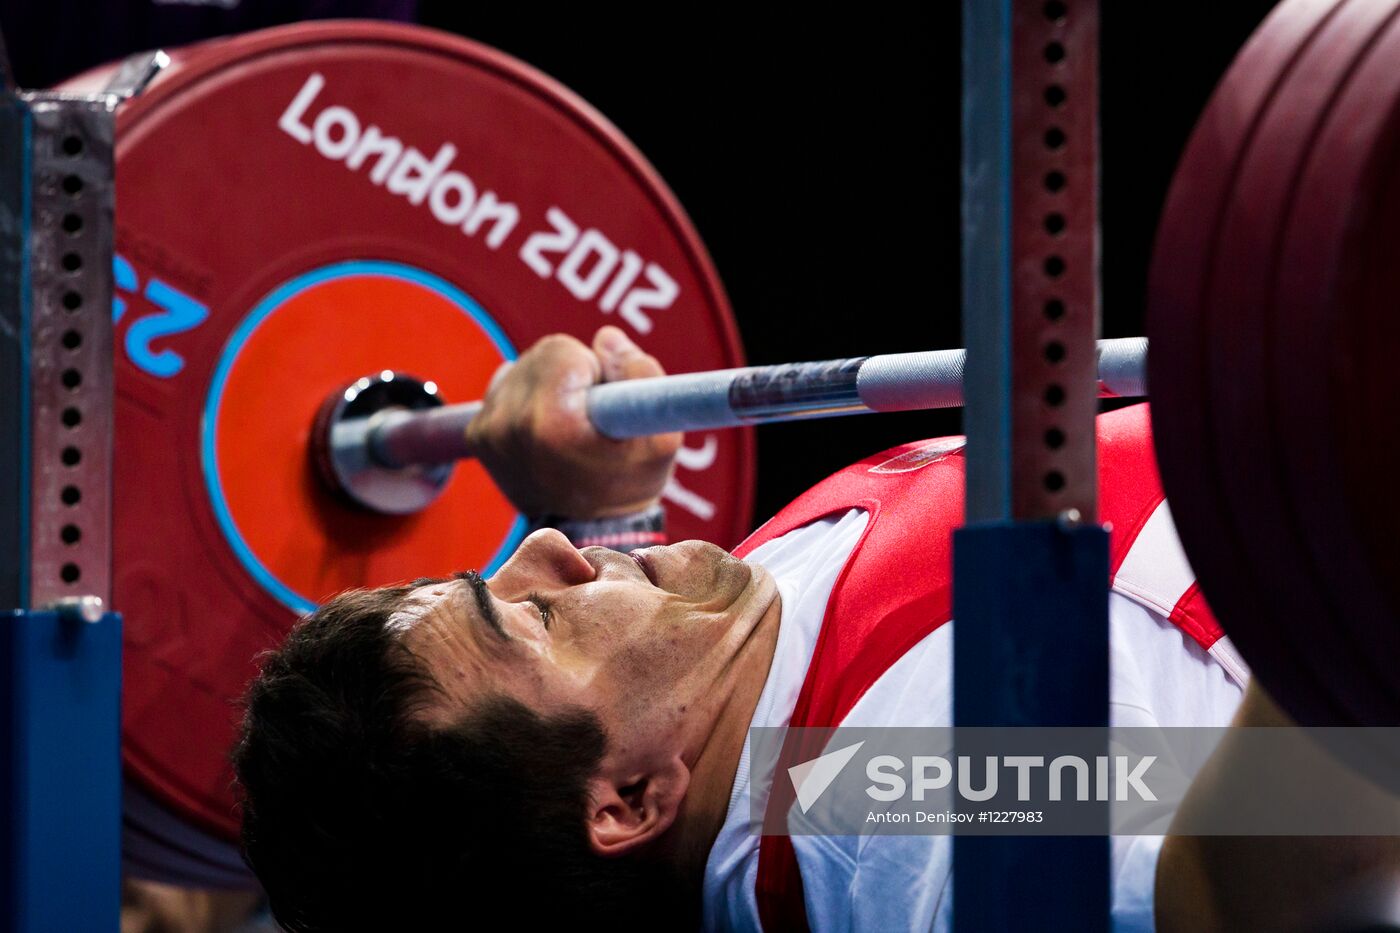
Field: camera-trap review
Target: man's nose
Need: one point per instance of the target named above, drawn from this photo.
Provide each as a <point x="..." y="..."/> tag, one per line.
<point x="544" y="559"/>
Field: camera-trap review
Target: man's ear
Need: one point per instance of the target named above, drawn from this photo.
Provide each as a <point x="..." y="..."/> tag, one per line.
<point x="628" y="814"/>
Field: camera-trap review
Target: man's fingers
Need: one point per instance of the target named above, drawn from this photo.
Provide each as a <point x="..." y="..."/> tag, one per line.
<point x="621" y="358"/>
<point x="664" y="446"/>
<point x="563" y="363"/>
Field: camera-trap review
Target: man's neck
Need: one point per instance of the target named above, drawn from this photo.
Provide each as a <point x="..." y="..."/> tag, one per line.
<point x="706" y="803"/>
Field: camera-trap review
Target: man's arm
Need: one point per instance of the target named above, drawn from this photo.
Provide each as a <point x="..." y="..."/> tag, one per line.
<point x="1207" y="883"/>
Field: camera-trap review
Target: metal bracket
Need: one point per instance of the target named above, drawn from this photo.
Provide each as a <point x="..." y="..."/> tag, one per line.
<point x="70" y="346"/>
<point x="134" y="73"/>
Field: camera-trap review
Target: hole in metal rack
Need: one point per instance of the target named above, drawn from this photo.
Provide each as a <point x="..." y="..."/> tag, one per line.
<point x="1054" y="266"/>
<point x="71" y="262"/>
<point x="72" y="223"/>
<point x="71" y="456"/>
<point x="1054" y="481"/>
<point x="72" y="417"/>
<point x="1054" y="309"/>
<point x="1055" y="138"/>
<point x="1055" y="95"/>
<point x="72" y="184"/>
<point x="72" y="145"/>
<point x="1055" y="10"/>
<point x="1054" y="351"/>
<point x="1055" y="181"/>
<point x="72" y="340"/>
<point x="1055" y="224"/>
<point x="71" y="534"/>
<point x="71" y="495"/>
<point x="1054" y="438"/>
<point x="71" y="378"/>
<point x="72" y="301"/>
<point x="1054" y="53"/>
<point x="1054" y="395"/>
<point x="70" y="573"/>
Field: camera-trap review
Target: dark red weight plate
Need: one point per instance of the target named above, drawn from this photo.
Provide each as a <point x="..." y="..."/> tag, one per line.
<point x="1268" y="518"/>
<point x="1180" y="329"/>
<point x="1246" y="331"/>
<point x="302" y="207"/>
<point x="1336" y="313"/>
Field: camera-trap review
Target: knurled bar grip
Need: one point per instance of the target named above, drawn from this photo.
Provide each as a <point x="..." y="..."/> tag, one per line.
<point x="732" y="397"/>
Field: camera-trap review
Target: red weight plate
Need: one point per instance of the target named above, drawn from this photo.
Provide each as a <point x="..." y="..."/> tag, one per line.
<point x="307" y="205"/>
<point x="1294" y="606"/>
<point x="1181" y="333"/>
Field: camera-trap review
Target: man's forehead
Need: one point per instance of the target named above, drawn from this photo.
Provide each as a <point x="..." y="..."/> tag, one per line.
<point x="425" y="600"/>
<point x="440" y="624"/>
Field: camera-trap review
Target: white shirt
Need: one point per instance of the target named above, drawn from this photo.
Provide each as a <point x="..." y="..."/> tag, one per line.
<point x="1157" y="676"/>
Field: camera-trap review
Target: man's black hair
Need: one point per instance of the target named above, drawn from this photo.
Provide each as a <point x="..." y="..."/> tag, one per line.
<point x="357" y="815"/>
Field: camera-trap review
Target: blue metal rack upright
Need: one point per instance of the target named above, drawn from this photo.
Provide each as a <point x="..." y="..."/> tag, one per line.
<point x="60" y="651"/>
<point x="1030" y="586"/>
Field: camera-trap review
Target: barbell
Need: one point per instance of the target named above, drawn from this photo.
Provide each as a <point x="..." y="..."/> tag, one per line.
<point x="324" y="232"/>
<point x="387" y="441"/>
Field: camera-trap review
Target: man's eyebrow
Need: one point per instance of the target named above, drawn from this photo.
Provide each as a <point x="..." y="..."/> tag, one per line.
<point x="484" y="603"/>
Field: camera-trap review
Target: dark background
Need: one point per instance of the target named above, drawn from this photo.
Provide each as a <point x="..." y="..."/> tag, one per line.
<point x="816" y="150"/>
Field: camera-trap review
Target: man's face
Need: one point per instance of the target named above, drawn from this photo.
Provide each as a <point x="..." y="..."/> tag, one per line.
<point x="640" y="639"/>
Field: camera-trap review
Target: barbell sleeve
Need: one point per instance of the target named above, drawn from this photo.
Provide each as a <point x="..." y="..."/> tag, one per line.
<point x="734" y="397"/>
<point x="400" y="438"/>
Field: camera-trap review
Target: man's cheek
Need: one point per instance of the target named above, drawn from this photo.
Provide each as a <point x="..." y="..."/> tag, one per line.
<point x="610" y="613"/>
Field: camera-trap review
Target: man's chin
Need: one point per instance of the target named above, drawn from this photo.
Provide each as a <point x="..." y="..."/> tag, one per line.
<point x="696" y="571"/>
